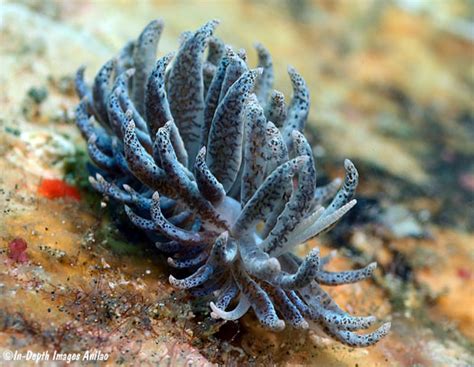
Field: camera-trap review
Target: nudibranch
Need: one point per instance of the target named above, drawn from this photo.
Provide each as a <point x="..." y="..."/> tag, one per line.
<point x="212" y="165"/>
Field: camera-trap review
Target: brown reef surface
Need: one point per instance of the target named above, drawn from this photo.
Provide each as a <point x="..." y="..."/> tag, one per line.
<point x="392" y="89"/>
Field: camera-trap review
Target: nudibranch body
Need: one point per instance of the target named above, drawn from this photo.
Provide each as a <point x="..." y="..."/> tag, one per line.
<point x="213" y="166"/>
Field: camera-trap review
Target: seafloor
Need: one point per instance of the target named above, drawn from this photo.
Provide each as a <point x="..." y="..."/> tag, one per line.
<point x="392" y="86"/>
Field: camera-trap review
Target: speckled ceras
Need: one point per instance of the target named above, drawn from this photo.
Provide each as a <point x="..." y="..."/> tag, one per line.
<point x="254" y="163"/>
<point x="212" y="165"/>
<point x="186" y="90"/>
<point x="143" y="57"/>
<point x="225" y="135"/>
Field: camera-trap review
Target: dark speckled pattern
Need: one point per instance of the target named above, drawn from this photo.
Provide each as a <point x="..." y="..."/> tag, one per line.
<point x="213" y="166"/>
